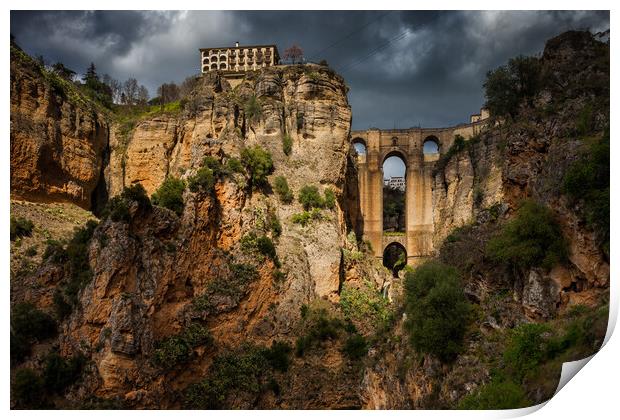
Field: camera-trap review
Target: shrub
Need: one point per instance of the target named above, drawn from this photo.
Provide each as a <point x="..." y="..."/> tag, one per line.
<point x="587" y="180"/>
<point x="278" y="355"/>
<point x="274" y="224"/>
<point x="54" y="251"/>
<point x="527" y="349"/>
<point x="258" y="164"/>
<point x="287" y="144"/>
<point x="179" y="348"/>
<point x="305" y="217"/>
<point x="61" y="306"/>
<point x="27" y="389"/>
<point x="437" y="309"/>
<point x="233" y="287"/>
<point x="261" y="244"/>
<point x="236" y="373"/>
<point x="496" y="395"/>
<point x="319" y="326"/>
<point x="203" y="180"/>
<point x="31" y="251"/>
<point x="32" y="323"/>
<point x="532" y="238"/>
<point x="330" y="199"/>
<point x="20" y="348"/>
<point x="234" y="165"/>
<point x="282" y="189"/>
<point x="59" y="373"/>
<point x="365" y="304"/>
<point x="310" y="198"/>
<point x="118" y="207"/>
<point x="79" y="264"/>
<point x="21" y="227"/>
<point x="170" y="195"/>
<point x="355" y="347"/>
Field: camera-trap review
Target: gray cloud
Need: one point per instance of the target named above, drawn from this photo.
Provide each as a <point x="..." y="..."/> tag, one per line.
<point x="432" y="75"/>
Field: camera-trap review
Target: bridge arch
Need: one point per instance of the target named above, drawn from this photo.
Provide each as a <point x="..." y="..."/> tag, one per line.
<point x="395" y="257"/>
<point x="431" y="145"/>
<point x="359" y="144"/>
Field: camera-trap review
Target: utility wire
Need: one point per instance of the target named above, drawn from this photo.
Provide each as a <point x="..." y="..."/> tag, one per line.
<point x="315" y="55"/>
<point x="373" y="52"/>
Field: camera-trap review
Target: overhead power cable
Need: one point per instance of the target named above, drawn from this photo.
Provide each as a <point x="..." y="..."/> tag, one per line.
<point x="316" y="54"/>
<point x="375" y="51"/>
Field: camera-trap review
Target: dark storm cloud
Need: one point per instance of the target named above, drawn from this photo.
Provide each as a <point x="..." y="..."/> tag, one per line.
<point x="430" y="71"/>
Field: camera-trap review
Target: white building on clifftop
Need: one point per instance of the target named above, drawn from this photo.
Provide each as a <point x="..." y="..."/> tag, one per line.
<point x="238" y="58"/>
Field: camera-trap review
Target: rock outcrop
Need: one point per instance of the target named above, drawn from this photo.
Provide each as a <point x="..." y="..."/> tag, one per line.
<point x="58" y="137"/>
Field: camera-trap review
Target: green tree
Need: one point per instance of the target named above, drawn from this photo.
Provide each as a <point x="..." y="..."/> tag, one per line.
<point x="170" y="195"/>
<point x="496" y="395"/>
<point x="258" y="164"/>
<point x="438" y="311"/>
<point x="509" y="85"/>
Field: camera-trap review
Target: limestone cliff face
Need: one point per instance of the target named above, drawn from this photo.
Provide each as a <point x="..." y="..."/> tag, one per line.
<point x="149" y="271"/>
<point x="58" y="137"/>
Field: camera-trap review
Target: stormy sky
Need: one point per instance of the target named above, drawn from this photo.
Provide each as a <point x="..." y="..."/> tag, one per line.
<point x="404" y="69"/>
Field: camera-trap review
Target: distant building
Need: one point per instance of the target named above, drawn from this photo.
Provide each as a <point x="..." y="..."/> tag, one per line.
<point x="484" y="114"/>
<point x="238" y="58"/>
<point x="395" y="182"/>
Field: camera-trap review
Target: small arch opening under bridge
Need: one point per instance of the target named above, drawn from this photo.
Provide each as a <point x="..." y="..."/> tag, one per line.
<point x="395" y="257"/>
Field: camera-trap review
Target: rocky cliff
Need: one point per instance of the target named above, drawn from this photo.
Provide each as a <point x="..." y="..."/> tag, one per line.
<point x="243" y="299"/>
<point x="58" y="136"/>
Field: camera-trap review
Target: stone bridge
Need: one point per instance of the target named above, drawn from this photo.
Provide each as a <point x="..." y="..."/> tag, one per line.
<point x="408" y="144"/>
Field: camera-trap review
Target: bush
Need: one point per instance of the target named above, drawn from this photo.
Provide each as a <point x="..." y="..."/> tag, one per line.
<point x="364" y="305"/>
<point x="437" y="309"/>
<point x="319" y="326"/>
<point x="78" y="261"/>
<point x="203" y="180"/>
<point x="54" y="251"/>
<point x="532" y="238"/>
<point x="282" y="189"/>
<point x="31" y="251"/>
<point x="287" y="144"/>
<point x="304" y="218"/>
<point x="310" y="198"/>
<point x="278" y="355"/>
<point x="330" y="199"/>
<point x="170" y="195"/>
<point x="235" y="373"/>
<point x="496" y="395"/>
<point x="20" y="348"/>
<point x="118" y="207"/>
<point x="355" y="347"/>
<point x="59" y="373"/>
<point x="587" y="180"/>
<point x="274" y="224"/>
<point x="61" y="306"/>
<point x="261" y="244"/>
<point x="27" y="389"/>
<point x="179" y="348"/>
<point x="527" y="349"/>
<point x="32" y="323"/>
<point x="234" y="165"/>
<point x="21" y="227"/>
<point x="258" y="164"/>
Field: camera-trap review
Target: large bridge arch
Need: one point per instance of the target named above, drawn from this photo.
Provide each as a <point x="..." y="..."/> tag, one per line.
<point x="409" y="144"/>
